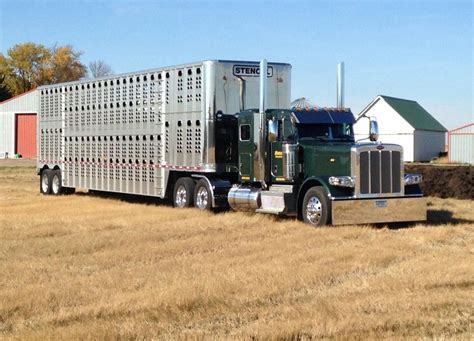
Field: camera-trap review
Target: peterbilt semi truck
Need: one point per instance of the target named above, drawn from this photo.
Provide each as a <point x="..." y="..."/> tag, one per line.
<point x="216" y="134"/>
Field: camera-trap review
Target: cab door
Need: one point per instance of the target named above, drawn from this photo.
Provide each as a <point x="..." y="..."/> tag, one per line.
<point x="246" y="150"/>
<point x="285" y="132"/>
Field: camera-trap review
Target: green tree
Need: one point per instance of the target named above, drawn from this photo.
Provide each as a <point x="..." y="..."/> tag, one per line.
<point x="25" y="67"/>
<point x="4" y="92"/>
<point x="29" y="65"/>
<point x="65" y="65"/>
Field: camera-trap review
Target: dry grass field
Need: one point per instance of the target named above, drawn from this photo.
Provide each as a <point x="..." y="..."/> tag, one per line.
<point x="89" y="267"/>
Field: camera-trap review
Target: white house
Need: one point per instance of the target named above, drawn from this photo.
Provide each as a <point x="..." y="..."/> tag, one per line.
<point x="406" y="123"/>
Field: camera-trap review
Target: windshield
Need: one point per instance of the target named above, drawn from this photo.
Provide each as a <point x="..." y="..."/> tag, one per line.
<point x="326" y="132"/>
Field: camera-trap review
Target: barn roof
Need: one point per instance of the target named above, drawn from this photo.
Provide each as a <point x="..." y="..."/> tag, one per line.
<point x="414" y="114"/>
<point x="410" y="111"/>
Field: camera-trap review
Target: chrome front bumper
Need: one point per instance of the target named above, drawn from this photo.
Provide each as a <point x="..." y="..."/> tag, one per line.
<point x="386" y="210"/>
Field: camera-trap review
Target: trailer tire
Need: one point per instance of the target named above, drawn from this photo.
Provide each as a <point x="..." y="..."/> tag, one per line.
<point x="56" y="183"/>
<point x="203" y="196"/>
<point x="183" y="194"/>
<point x="316" y="207"/>
<point x="45" y="182"/>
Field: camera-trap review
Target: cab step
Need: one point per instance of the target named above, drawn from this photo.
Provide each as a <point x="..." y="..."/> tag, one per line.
<point x="279" y="199"/>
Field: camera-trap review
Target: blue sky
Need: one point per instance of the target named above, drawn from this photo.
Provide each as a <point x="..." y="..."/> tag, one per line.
<point x="420" y="50"/>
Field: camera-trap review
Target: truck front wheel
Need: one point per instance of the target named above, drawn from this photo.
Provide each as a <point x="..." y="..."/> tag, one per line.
<point x="316" y="207"/>
<point x="183" y="193"/>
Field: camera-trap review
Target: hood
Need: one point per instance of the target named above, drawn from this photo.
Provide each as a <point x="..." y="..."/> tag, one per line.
<point x="326" y="159"/>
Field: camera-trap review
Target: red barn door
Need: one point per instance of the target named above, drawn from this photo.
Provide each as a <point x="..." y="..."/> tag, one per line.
<point x="26" y="135"/>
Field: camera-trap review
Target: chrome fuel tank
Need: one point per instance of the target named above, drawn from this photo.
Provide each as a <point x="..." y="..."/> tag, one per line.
<point x="244" y="198"/>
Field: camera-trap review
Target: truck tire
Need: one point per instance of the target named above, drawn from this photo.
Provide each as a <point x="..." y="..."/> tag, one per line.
<point x="316" y="207"/>
<point x="183" y="194"/>
<point x="202" y="196"/>
<point x="45" y="182"/>
<point x="56" y="183"/>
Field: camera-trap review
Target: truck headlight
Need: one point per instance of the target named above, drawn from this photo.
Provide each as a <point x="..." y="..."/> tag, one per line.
<point x="413" y="179"/>
<point x="343" y="181"/>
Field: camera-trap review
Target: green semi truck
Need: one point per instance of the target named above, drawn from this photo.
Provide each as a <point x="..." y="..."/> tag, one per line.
<point x="313" y="168"/>
<point x="306" y="162"/>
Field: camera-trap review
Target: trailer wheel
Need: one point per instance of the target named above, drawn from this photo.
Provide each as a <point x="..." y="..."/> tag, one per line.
<point x="56" y="184"/>
<point x="316" y="207"/>
<point x="45" y="182"/>
<point x="202" y="195"/>
<point x="183" y="193"/>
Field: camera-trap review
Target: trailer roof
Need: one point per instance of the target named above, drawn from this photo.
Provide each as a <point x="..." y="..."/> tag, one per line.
<point x="156" y="70"/>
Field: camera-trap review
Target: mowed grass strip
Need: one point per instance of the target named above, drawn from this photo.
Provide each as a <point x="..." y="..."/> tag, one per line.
<point x="89" y="267"/>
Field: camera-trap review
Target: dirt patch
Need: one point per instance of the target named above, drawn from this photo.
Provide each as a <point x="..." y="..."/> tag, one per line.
<point x="445" y="181"/>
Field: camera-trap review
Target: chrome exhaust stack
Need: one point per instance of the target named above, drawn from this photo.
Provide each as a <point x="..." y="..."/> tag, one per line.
<point x="259" y="134"/>
<point x="340" y="85"/>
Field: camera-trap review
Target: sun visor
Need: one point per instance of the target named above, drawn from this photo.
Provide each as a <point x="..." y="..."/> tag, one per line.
<point x="323" y="116"/>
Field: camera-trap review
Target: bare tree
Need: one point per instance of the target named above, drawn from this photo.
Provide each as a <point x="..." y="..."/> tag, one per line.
<point x="99" y="68"/>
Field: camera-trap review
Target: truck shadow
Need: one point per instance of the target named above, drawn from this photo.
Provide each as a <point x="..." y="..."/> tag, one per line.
<point x="434" y="218"/>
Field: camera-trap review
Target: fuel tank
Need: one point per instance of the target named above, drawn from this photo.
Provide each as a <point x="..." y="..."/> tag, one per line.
<point x="244" y="198"/>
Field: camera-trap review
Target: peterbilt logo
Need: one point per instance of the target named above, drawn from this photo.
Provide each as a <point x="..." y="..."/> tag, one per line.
<point x="250" y="71"/>
<point x="380" y="147"/>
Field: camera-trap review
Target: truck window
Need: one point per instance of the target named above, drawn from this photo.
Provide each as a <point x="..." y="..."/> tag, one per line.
<point x="340" y="131"/>
<point x="245" y="132"/>
<point x="286" y="130"/>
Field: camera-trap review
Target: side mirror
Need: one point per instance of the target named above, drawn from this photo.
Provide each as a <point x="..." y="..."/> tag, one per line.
<point x="374" y="131"/>
<point x="272" y="130"/>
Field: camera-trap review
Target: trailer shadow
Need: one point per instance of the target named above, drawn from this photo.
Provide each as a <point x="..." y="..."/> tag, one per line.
<point x="129" y="198"/>
<point x="136" y="199"/>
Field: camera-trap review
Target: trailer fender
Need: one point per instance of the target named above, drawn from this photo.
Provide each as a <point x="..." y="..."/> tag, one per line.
<point x="219" y="189"/>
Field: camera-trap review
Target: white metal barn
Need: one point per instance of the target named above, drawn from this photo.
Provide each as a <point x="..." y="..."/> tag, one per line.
<point x="461" y="144"/>
<point x="406" y="123"/>
<point x="18" y="125"/>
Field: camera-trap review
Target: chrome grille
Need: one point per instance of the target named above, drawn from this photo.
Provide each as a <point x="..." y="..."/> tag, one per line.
<point x="379" y="172"/>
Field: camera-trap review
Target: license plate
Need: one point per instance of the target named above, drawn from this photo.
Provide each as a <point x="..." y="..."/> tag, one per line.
<point x="380" y="203"/>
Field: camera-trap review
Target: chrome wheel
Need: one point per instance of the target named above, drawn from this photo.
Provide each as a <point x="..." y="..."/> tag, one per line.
<point x="44" y="182"/>
<point x="55" y="184"/>
<point x="181" y="196"/>
<point x="202" y="198"/>
<point x="313" y="210"/>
